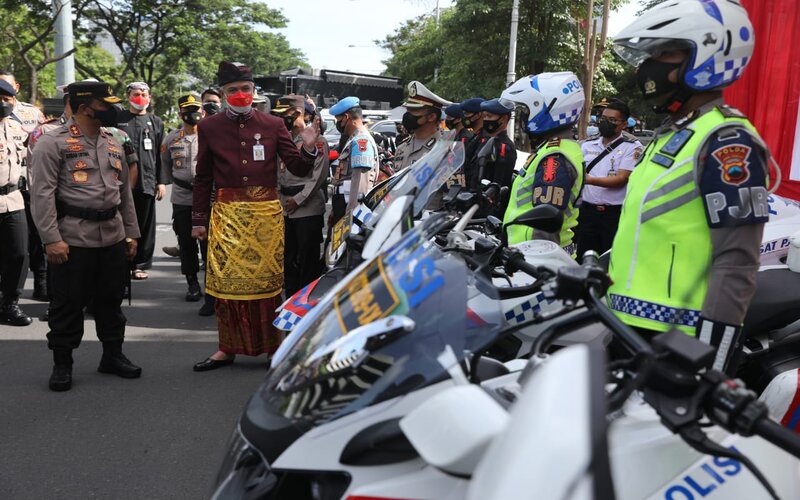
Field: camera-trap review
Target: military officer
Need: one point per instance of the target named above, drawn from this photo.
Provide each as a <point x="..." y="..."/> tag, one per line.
<point x="454" y="120"/>
<point x="422" y="119"/>
<point x="83" y="207"/>
<point x="302" y="200"/>
<point x="499" y="166"/>
<point x="473" y="120"/>
<point x="179" y="158"/>
<point x="13" y="224"/>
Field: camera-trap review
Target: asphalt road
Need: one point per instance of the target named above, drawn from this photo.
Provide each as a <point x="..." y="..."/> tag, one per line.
<point x="158" y="437"/>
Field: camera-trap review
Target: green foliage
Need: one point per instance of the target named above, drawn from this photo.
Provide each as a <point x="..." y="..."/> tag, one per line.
<point x="470" y="48"/>
<point x="173" y="45"/>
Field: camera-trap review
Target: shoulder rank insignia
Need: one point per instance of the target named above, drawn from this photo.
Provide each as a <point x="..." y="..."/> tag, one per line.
<point x="430" y="142"/>
<point x="677" y="142"/>
<point x="74" y="130"/>
<point x="730" y="112"/>
<point x="554" y="143"/>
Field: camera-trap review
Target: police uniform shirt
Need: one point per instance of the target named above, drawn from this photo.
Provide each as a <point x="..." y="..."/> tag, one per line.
<point x="12" y="152"/>
<point x="358" y="164"/>
<point x="28" y="116"/>
<point x="624" y="157"/>
<point x="83" y="172"/>
<point x="39" y="131"/>
<point x="179" y="158"/>
<point x="412" y="149"/>
<point x="147" y="134"/>
<point x="310" y="199"/>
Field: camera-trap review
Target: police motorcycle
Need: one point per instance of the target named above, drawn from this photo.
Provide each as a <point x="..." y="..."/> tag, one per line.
<point x="658" y="423"/>
<point x="383" y="340"/>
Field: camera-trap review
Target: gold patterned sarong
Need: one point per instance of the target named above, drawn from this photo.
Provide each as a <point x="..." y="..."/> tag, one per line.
<point x="245" y="246"/>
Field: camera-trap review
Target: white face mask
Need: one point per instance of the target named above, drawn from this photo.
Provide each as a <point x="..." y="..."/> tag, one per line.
<point x="591" y="130"/>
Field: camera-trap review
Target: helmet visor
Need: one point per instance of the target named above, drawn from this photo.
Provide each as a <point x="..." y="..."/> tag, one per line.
<point x="637" y="50"/>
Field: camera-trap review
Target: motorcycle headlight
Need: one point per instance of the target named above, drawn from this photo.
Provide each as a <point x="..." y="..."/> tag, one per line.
<point x="244" y="474"/>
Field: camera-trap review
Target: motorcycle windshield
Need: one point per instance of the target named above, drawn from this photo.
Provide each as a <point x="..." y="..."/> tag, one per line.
<point x="424" y="177"/>
<point x="330" y="370"/>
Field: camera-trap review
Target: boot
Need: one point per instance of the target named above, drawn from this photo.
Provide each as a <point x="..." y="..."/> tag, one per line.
<point x="61" y="378"/>
<point x="40" y="287"/>
<point x="11" y="314"/>
<point x="208" y="306"/>
<point x="193" y="294"/>
<point x="114" y="362"/>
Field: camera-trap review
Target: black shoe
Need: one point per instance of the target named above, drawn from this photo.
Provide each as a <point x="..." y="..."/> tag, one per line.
<point x="61" y="378"/>
<point x="45" y="317"/>
<point x="212" y="364"/>
<point x="208" y="307"/>
<point x="118" y="364"/>
<point x="194" y="294"/>
<point x="11" y="314"/>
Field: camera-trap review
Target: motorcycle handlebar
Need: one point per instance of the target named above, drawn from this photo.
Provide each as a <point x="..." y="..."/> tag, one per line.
<point x="778" y="435"/>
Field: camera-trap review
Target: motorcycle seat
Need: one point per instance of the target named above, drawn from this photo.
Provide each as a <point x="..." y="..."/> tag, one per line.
<point x="776" y="302"/>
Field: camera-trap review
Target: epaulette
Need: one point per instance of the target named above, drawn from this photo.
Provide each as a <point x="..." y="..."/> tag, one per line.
<point x="554" y="143"/>
<point x="405" y="140"/>
<point x="50" y="119"/>
<point x="730" y="112"/>
<point x="628" y="137"/>
<point x="431" y="142"/>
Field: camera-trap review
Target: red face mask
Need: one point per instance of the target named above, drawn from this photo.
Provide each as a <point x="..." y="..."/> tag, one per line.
<point x="240" y="99"/>
<point x="140" y="102"/>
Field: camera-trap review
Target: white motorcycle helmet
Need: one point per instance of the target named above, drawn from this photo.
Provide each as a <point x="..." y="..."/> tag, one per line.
<point x="548" y="100"/>
<point x="717" y="33"/>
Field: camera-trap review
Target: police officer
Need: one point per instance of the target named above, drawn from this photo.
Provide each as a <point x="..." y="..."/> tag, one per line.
<point x="83" y="207"/>
<point x="147" y="133"/>
<point x="498" y="166"/>
<point x="422" y="119"/>
<point x="13" y="224"/>
<point x="687" y="249"/>
<point x="358" y="161"/>
<point x="610" y="159"/>
<point x="179" y="158"/>
<point x="473" y="120"/>
<point x="29" y="117"/>
<point x="302" y="200"/>
<point x="454" y="120"/>
<point x="550" y="105"/>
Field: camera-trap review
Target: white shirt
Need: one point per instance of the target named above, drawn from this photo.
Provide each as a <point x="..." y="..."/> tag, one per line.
<point x="623" y="157"/>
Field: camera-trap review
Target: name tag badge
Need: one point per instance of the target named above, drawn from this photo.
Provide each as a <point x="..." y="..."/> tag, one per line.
<point x="148" y="144"/>
<point x="258" y="153"/>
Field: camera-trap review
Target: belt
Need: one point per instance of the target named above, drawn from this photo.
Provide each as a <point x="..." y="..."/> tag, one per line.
<point x="290" y="190"/>
<point x="63" y="210"/>
<point x="8" y="189"/>
<point x="183" y="184"/>
<point x="602" y="208"/>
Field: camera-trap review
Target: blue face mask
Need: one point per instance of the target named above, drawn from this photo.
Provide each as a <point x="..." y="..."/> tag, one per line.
<point x="592" y="131"/>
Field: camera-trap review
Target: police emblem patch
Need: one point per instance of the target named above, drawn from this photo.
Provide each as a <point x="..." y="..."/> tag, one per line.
<point x="550" y="169"/>
<point x="412" y="90"/>
<point x="362" y="145"/>
<point x="118" y="165"/>
<point x="637" y="153"/>
<point x="80" y="176"/>
<point x="733" y="163"/>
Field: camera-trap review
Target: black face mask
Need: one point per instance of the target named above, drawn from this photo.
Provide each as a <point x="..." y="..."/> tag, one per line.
<point x="191" y="118"/>
<point x="289" y="122"/>
<point x="211" y="108"/>
<point x="6" y="109"/>
<point x="450" y="123"/>
<point x="652" y="77"/>
<point x="340" y="126"/>
<point x="467" y="122"/>
<point x="606" y="128"/>
<point x="411" y="122"/>
<point x="108" y="117"/>
<point x="491" y="126"/>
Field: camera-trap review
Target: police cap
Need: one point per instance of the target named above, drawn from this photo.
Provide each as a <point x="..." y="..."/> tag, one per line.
<point x="344" y="105"/>
<point x="7" y="89"/>
<point x="419" y="97"/>
<point x="190" y="100"/>
<point x="93" y="90"/>
<point x="472" y="105"/>
<point x="454" y="111"/>
<point x="289" y="103"/>
<point x="498" y="106"/>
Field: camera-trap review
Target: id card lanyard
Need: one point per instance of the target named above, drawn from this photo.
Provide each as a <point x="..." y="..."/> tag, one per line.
<point x="148" y="142"/>
<point x="258" y="149"/>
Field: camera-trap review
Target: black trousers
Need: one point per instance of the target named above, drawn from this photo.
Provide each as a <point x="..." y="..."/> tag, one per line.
<point x="302" y="263"/>
<point x="597" y="226"/>
<point x="13" y="248"/>
<point x="98" y="274"/>
<point x="35" y="257"/>
<point x="146" y="214"/>
<point x="182" y="225"/>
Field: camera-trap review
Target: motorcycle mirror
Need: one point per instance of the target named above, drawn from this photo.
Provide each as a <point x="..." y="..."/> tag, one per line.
<point x="451" y="195"/>
<point x="493" y="224"/>
<point x="543" y="217"/>
<point x="361" y="197"/>
<point x="348" y="351"/>
<point x="453" y="429"/>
